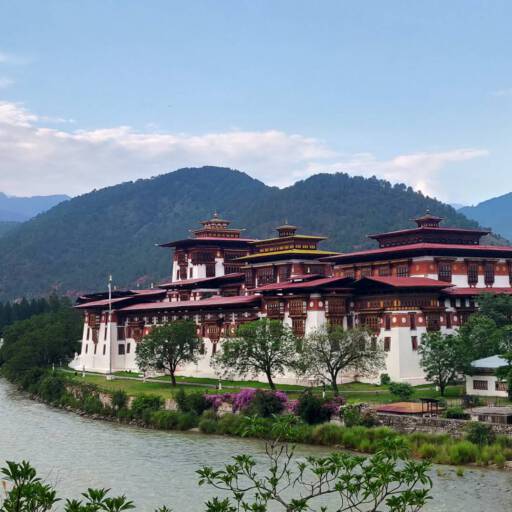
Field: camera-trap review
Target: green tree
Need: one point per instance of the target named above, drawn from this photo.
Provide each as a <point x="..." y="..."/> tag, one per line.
<point x="389" y="480"/>
<point x="442" y="358"/>
<point x="496" y="307"/>
<point x="327" y="352"/>
<point x="264" y="346"/>
<point x="168" y="346"/>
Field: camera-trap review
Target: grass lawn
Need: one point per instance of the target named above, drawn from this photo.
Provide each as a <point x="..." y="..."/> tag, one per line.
<point x="354" y="392"/>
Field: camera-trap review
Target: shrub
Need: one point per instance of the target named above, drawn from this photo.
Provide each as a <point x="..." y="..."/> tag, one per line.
<point x="92" y="405"/>
<point x="369" y="418"/>
<point x="311" y="409"/>
<point x="385" y="379"/>
<point x="119" y="399"/>
<point x="124" y="414"/>
<point x="208" y="426"/>
<point x="427" y="451"/>
<point x="327" y="434"/>
<point x="30" y="380"/>
<point x="191" y="402"/>
<point x="499" y="460"/>
<point x="231" y="424"/>
<point x="243" y="399"/>
<point x="480" y="433"/>
<point x="401" y="390"/>
<point x="187" y="420"/>
<point x="267" y="404"/>
<point x="456" y="413"/>
<point x="52" y="388"/>
<point x="144" y="403"/>
<point x="463" y="452"/>
<point x="365" y="446"/>
<point x="165" y="420"/>
<point x="351" y="415"/>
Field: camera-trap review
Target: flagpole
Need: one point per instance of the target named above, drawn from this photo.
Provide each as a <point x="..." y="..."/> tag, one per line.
<point x="109" y="376"/>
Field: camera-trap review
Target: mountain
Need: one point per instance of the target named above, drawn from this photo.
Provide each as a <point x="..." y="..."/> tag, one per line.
<point x="19" y="209"/>
<point x="495" y="213"/>
<point x="74" y="246"/>
<point x="6" y="226"/>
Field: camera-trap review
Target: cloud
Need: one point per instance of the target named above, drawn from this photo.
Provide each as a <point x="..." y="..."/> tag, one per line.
<point x="38" y="158"/>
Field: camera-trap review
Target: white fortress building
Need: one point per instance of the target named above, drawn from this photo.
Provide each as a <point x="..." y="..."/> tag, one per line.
<point x="427" y="278"/>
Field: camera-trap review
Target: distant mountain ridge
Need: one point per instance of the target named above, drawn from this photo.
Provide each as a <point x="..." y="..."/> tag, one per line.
<point x="74" y="246"/>
<point x="495" y="213"/>
<point x="19" y="209"/>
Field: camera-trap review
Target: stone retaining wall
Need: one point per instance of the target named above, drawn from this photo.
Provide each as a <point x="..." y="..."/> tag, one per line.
<point x="456" y="428"/>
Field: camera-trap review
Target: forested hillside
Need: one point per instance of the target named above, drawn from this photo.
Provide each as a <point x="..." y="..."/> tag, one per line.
<point x="495" y="213"/>
<point x="6" y="226"/>
<point x="74" y="246"/>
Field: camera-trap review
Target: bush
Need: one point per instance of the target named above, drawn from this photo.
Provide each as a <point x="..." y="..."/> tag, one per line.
<point x="52" y="388"/>
<point x="266" y="404"/>
<point x="401" y="390"/>
<point x="499" y="460"/>
<point x="463" y="452"/>
<point x="165" y="420"/>
<point x="208" y="426"/>
<point x="119" y="399"/>
<point x="327" y="434"/>
<point x="427" y="451"/>
<point x="187" y="420"/>
<point x="351" y="415"/>
<point x="92" y="405"/>
<point x="230" y="424"/>
<point x="311" y="409"/>
<point x="456" y="413"/>
<point x="30" y="380"/>
<point x="480" y="433"/>
<point x="144" y="405"/>
<point x="385" y="379"/>
<point x="191" y="402"/>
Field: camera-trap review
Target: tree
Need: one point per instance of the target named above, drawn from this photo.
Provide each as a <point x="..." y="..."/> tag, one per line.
<point x="168" y="346"/>
<point x="496" y="307"/>
<point x="388" y="480"/>
<point x="442" y="358"/>
<point x="264" y="346"/>
<point x="328" y="352"/>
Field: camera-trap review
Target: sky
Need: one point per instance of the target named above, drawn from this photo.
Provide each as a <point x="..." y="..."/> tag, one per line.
<point x="101" y="92"/>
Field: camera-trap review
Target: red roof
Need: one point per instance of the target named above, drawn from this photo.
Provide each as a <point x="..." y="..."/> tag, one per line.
<point x="195" y="304"/>
<point x="184" y="282"/>
<point x="102" y="303"/>
<point x="407" y="282"/>
<point x="478" y="291"/>
<point x="315" y="283"/>
<point x="419" y="248"/>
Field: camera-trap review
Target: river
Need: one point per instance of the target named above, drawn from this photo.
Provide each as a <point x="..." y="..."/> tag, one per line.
<point x="155" y="468"/>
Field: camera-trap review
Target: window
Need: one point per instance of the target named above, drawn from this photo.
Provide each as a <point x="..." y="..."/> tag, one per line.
<point x="266" y="275"/>
<point x="349" y="272"/>
<point x="472" y="274"/>
<point x="86" y="348"/>
<point x="448" y="320"/>
<point x="384" y="271"/>
<point x="88" y="337"/>
<point x="480" y="384"/>
<point x="489" y="273"/>
<point x="414" y="342"/>
<point x="210" y="270"/>
<point x="387" y="344"/>
<point x="284" y="272"/>
<point x="298" y="326"/>
<point x="104" y="349"/>
<point x="120" y="332"/>
<point x="444" y="271"/>
<point x="366" y="272"/>
<point x="402" y="270"/>
<point x="95" y="348"/>
<point x="120" y="349"/>
<point x="105" y="332"/>
<point x="501" y="386"/>
<point x="191" y="272"/>
<point x="127" y="348"/>
<point x="387" y="322"/>
<point x="412" y="321"/>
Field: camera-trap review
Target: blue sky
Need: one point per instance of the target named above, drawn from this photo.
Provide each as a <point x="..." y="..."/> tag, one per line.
<point x="95" y="93"/>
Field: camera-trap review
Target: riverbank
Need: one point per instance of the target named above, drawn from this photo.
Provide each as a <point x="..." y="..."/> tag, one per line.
<point x="193" y="413"/>
<point x="155" y="467"/>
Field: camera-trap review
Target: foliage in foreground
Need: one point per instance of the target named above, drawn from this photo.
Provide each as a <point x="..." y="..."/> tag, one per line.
<point x="389" y="479"/>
